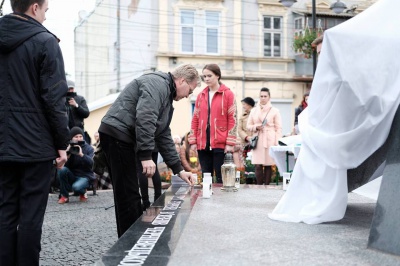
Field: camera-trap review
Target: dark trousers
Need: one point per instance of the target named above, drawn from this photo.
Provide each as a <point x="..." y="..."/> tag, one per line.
<point x="121" y="163"/>
<point x="211" y="161"/>
<point x="144" y="182"/>
<point x="24" y="191"/>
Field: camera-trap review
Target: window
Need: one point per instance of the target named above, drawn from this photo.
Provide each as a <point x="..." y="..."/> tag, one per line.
<point x="332" y="22"/>
<point x="205" y="25"/>
<point x="326" y="23"/>
<point x="272" y="36"/>
<point x="298" y="26"/>
<point x="187" y="24"/>
<point x="212" y="24"/>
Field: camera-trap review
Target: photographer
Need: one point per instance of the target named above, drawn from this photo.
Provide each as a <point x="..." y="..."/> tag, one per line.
<point x="77" y="109"/>
<point x="77" y="173"/>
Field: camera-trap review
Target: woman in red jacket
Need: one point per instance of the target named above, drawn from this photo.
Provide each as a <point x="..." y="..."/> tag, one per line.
<point x="213" y="129"/>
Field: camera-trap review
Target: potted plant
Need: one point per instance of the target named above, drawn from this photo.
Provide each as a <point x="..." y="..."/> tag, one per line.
<point x="249" y="172"/>
<point x="302" y="42"/>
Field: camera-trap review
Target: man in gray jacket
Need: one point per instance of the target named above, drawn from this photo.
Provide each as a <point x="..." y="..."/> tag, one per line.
<point x="136" y="123"/>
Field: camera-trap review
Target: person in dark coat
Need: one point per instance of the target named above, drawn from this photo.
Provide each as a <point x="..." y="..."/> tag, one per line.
<point x="77" y="109"/>
<point x="33" y="127"/>
<point x="297" y="112"/>
<point x="77" y="173"/>
<point x="135" y="124"/>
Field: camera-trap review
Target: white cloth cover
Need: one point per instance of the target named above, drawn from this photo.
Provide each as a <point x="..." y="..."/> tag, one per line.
<point x="278" y="153"/>
<point x="354" y="97"/>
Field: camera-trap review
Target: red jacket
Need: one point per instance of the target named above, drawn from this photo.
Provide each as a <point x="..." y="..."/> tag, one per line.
<point x="222" y="119"/>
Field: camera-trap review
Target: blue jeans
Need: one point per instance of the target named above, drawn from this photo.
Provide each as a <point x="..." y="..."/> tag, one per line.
<point x="69" y="182"/>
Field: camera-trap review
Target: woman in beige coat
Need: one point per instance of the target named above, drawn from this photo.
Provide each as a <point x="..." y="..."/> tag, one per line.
<point x="186" y="153"/>
<point x="245" y="134"/>
<point x="264" y="120"/>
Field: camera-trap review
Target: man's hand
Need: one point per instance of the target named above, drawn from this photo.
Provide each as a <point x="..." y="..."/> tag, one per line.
<point x="72" y="102"/>
<point x="193" y="147"/>
<point x="149" y="168"/>
<point x="187" y="177"/>
<point x="62" y="159"/>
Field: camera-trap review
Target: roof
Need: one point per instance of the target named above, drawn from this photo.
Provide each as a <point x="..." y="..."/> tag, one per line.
<point x="102" y="102"/>
<point x="324" y="14"/>
<point x="332" y="14"/>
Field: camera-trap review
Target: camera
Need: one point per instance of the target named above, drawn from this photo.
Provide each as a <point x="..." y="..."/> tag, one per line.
<point x="70" y="95"/>
<point x="74" y="147"/>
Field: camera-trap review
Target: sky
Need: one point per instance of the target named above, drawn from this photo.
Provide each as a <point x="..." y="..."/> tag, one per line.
<point x="61" y="19"/>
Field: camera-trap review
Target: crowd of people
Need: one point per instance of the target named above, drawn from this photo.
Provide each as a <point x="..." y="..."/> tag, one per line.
<point x="43" y="142"/>
<point x="51" y="141"/>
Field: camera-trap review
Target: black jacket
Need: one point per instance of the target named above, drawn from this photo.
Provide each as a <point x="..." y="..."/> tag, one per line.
<point x="82" y="166"/>
<point x="77" y="115"/>
<point x="297" y="112"/>
<point x="142" y="114"/>
<point x="33" y="121"/>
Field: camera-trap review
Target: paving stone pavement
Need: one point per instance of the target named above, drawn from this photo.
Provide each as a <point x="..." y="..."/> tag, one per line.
<point x="78" y="233"/>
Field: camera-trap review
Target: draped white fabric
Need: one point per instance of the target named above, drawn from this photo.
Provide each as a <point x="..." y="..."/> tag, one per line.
<point x="354" y="97"/>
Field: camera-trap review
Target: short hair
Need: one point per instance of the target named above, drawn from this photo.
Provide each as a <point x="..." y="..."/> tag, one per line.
<point x="22" y="6"/>
<point x="267" y="90"/>
<point x="317" y="41"/>
<point x="214" y="68"/>
<point x="188" y="72"/>
<point x="250" y="101"/>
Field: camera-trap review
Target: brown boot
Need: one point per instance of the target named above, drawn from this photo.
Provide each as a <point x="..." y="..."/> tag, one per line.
<point x="259" y="174"/>
<point x="267" y="174"/>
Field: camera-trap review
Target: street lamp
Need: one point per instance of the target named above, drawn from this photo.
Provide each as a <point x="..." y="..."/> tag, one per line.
<point x="287" y="3"/>
<point x="337" y="7"/>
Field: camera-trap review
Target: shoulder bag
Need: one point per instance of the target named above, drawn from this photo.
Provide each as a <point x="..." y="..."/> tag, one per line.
<point x="254" y="139"/>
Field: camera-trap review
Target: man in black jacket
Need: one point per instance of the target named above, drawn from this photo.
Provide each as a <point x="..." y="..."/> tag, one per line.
<point x="77" y="109"/>
<point x="77" y="173"/>
<point x="135" y="124"/>
<point x="34" y="127"/>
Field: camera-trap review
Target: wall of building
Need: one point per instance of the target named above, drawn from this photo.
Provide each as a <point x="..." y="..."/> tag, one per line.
<point x="93" y="62"/>
<point x="96" y="46"/>
<point x="151" y="39"/>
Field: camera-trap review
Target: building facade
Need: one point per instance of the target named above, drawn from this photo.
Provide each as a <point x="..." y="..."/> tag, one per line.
<point x="251" y="41"/>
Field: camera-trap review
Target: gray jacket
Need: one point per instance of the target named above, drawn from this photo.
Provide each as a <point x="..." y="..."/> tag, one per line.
<point x="141" y="115"/>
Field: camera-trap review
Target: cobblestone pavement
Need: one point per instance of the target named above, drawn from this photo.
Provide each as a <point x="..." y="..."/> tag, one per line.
<point x="78" y="233"/>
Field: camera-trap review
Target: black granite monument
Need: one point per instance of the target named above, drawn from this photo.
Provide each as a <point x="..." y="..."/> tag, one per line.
<point x="384" y="233"/>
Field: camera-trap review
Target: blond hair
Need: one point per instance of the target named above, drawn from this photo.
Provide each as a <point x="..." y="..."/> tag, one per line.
<point x="188" y="72"/>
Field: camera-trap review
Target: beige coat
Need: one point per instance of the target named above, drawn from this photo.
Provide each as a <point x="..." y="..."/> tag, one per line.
<point x="242" y="128"/>
<point x="270" y="134"/>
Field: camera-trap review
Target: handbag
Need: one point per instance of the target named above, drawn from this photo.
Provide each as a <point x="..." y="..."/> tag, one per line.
<point x="254" y="139"/>
<point x="253" y="142"/>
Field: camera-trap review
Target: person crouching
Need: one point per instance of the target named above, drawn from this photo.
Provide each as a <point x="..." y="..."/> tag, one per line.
<point x="77" y="173"/>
